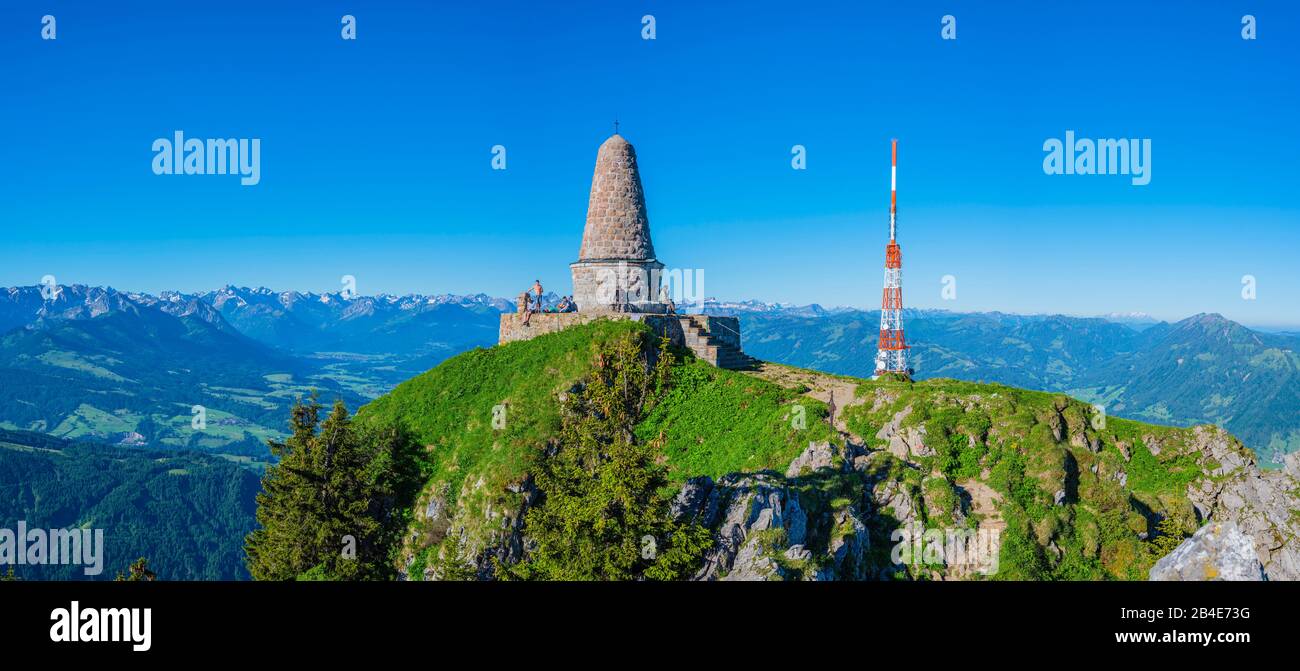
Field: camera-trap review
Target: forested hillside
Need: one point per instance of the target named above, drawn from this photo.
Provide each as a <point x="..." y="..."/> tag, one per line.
<point x="186" y="512"/>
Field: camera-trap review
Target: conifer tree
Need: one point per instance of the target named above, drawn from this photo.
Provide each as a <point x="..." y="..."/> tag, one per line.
<point x="138" y="572"/>
<point x="332" y="508"/>
<point x="602" y="515"/>
<point x="450" y="566"/>
<point x="1169" y="535"/>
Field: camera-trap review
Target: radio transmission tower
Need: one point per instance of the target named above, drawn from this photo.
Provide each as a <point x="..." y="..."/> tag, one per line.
<point x="891" y="357"/>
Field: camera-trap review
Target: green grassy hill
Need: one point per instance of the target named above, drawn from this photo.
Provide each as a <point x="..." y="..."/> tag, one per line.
<point x="1076" y="496"/>
<point x="479" y="473"/>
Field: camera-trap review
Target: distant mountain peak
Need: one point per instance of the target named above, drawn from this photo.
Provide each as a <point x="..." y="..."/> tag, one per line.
<point x="1129" y="316"/>
<point x="1212" y="326"/>
<point x="753" y="306"/>
<point x="1208" y="321"/>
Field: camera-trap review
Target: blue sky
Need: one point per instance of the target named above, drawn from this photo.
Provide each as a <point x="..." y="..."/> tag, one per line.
<point x="376" y="154"/>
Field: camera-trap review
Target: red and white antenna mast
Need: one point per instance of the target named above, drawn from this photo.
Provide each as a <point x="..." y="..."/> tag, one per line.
<point x="891" y="357"/>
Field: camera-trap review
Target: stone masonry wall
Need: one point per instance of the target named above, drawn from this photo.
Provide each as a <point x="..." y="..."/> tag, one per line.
<point x="599" y="286"/>
<point x="512" y="324"/>
<point x="726" y="330"/>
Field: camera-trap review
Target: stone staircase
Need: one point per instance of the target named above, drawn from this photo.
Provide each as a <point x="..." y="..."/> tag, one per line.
<point x="719" y="351"/>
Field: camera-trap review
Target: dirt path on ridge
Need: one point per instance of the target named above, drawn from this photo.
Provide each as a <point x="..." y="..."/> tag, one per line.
<point x="819" y="386"/>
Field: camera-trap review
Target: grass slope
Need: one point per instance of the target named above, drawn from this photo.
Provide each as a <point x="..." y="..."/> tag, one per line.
<point x="1120" y="477"/>
<point x="716" y="421"/>
<point x="451" y="409"/>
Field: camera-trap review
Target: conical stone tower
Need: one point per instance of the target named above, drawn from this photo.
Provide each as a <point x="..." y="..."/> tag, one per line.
<point x="616" y="270"/>
<point x="617" y="275"/>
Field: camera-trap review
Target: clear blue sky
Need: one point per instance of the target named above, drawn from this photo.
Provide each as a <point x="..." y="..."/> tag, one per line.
<point x="376" y="153"/>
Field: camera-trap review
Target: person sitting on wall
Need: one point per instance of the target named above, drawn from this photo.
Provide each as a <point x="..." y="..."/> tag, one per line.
<point x="667" y="300"/>
<point x="572" y="306"/>
<point x="564" y="305"/>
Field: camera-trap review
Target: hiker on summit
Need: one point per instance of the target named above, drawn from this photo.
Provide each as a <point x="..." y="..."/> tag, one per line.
<point x="536" y="306"/>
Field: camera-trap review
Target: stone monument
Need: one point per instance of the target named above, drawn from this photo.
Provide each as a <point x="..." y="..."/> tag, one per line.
<point x="616" y="270"/>
<point x="617" y="275"/>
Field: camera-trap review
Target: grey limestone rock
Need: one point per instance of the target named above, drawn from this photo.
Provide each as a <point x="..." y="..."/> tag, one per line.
<point x="817" y="456"/>
<point x="1218" y="551"/>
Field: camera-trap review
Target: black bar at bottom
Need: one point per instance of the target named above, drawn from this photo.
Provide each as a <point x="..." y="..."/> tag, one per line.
<point x="917" y="621"/>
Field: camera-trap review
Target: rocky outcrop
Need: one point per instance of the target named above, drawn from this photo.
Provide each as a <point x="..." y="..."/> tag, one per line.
<point x="1218" y="551"/>
<point x="847" y="548"/>
<point x="691" y="498"/>
<point x="1292" y="465"/>
<point x="508" y="544"/>
<point x="816" y="457"/>
<point x="768" y="526"/>
<point x="1259" y="503"/>
<point x="1056" y="422"/>
<point x="894" y="499"/>
<point x="905" y="443"/>
<point x="501" y="538"/>
<point x="754" y="516"/>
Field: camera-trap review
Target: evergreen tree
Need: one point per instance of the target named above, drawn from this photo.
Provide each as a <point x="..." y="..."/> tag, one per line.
<point x="334" y="505"/>
<point x="449" y="565"/>
<point x="603" y="515"/>
<point x="1169" y="535"/>
<point x="137" y="572"/>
